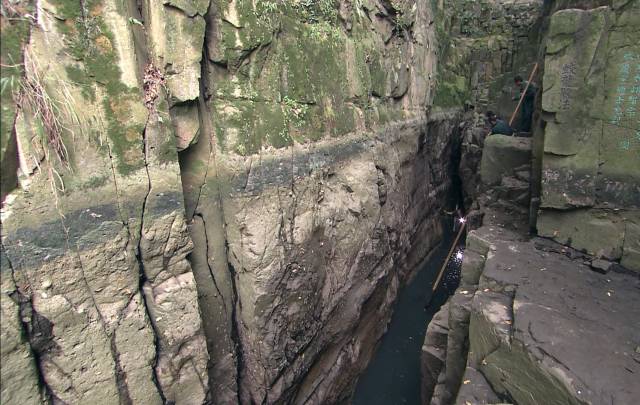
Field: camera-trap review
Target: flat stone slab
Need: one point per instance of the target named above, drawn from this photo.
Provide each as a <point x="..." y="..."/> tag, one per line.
<point x="573" y="327"/>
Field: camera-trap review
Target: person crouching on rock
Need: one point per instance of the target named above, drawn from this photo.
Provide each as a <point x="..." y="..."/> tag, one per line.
<point x="498" y="126"/>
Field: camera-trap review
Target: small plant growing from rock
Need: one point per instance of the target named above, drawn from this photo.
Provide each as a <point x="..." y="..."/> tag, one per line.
<point x="33" y="95"/>
<point x="323" y="31"/>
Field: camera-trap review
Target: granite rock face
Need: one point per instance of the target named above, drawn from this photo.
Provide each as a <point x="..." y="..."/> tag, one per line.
<point x="315" y="191"/>
<point x="590" y="167"/>
<point x="95" y="276"/>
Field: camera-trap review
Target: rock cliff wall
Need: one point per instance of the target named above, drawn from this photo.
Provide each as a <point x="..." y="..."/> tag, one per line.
<point x="95" y="242"/>
<point x="258" y="264"/>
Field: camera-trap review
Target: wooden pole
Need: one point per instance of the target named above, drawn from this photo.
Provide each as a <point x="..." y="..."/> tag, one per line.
<point x="533" y="72"/>
<point x="455" y="243"/>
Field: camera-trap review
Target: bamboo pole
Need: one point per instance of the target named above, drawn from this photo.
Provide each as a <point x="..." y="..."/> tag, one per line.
<point x="533" y="72"/>
<point x="455" y="243"/>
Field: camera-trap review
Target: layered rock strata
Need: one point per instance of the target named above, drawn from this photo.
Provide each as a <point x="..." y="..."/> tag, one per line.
<point x="259" y="266"/>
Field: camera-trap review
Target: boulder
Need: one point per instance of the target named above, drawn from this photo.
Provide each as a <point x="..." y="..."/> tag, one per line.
<point x="501" y="155"/>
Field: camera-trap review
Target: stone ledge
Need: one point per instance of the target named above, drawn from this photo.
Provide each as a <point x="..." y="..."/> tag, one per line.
<point x="542" y="323"/>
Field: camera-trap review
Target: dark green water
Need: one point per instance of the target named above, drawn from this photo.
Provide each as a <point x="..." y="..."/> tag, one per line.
<point x="393" y="376"/>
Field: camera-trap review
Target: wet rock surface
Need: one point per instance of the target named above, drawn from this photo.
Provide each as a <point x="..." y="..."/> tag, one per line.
<point x="434" y="352"/>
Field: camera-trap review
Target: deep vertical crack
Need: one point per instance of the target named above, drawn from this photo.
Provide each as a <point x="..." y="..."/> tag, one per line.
<point x="156" y="333"/>
<point x="25" y="305"/>
<point x="142" y="272"/>
<point x="211" y="272"/>
<point x="121" y="379"/>
<point x="235" y="332"/>
<point x="218" y="222"/>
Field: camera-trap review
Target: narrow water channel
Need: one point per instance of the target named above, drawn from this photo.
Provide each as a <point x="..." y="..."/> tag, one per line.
<point x="393" y="376"/>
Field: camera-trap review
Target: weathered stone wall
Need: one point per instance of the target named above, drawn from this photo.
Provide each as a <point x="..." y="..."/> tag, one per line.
<point x="261" y="263"/>
<point x="484" y="44"/>
<point x="319" y="245"/>
<point x="590" y="165"/>
<point x="299" y="168"/>
<point x="307" y="70"/>
<point x="95" y="280"/>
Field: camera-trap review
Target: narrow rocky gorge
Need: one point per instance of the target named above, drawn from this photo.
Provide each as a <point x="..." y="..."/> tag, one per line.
<point x="547" y="306"/>
<point x="218" y="202"/>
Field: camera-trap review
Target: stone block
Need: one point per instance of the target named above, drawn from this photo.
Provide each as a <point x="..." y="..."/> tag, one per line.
<point x="488" y="325"/>
<point x="501" y="155"/>
<point x="477" y="242"/>
<point x="472" y="266"/>
<point x="434" y="351"/>
<point x="590" y="151"/>
<point x="186" y="124"/>
<point x="598" y="233"/>
<point x="475" y="389"/>
<point x="458" y="342"/>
